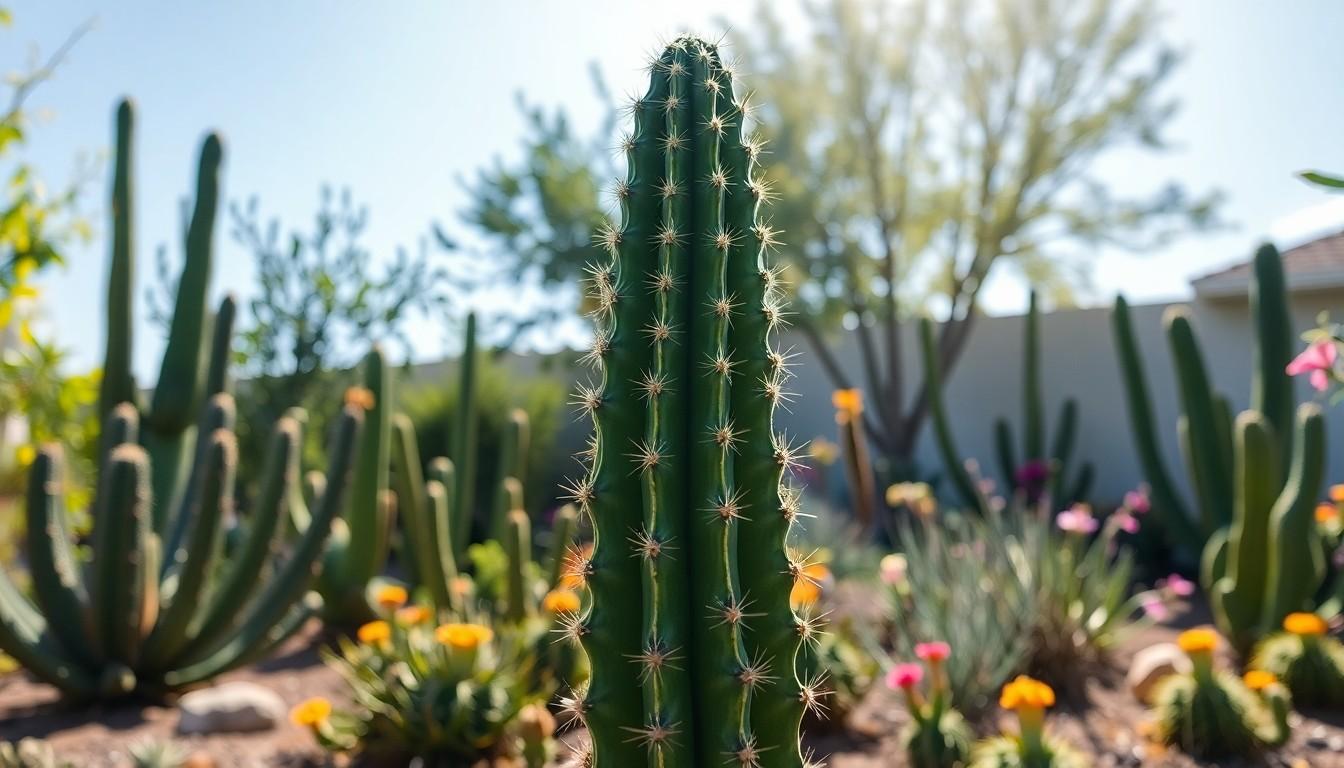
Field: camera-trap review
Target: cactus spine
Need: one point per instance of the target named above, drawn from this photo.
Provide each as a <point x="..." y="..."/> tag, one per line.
<point x="1205" y="427"/>
<point x="147" y="617"/>
<point x="683" y="424"/>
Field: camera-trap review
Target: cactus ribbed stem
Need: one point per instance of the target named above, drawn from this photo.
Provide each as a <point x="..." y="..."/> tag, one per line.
<point x="518" y="548"/>
<point x="118" y="383"/>
<point x="1207" y="453"/>
<point x="942" y="428"/>
<point x="1297" y="566"/>
<point x="1272" y="347"/>
<point x="464" y="444"/>
<point x="1033" y="407"/>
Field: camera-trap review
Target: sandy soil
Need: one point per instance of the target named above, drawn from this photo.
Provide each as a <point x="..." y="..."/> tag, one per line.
<point x="1110" y="728"/>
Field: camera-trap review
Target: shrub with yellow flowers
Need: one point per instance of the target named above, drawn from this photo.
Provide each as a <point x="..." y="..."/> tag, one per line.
<point x="1211" y="713"/>
<point x="1032" y="746"/>
<point x="449" y="693"/>
<point x="1306" y="659"/>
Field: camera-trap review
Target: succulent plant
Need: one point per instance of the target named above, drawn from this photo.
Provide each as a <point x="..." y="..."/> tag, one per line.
<point x="1309" y="662"/>
<point x="689" y="632"/>
<point x="1032" y="746"/>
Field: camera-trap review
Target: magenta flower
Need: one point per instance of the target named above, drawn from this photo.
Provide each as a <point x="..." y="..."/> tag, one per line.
<point x="1155" y="609"/>
<point x="1318" y="360"/>
<point x="1137" y="502"/>
<point x="1077" y="519"/>
<point x="1031" y="478"/>
<point x="1127" y="522"/>
<point x="1178" y="585"/>
<point x="934" y="653"/>
<point x="904" y="677"/>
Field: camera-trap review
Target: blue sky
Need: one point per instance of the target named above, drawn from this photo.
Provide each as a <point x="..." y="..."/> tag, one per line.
<point x="400" y="100"/>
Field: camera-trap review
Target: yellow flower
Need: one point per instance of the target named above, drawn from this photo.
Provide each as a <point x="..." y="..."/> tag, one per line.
<point x="1337" y="493"/>
<point x="808" y="583"/>
<point x="917" y="497"/>
<point x="361" y="397"/>
<point x="847" y="401"/>
<point x="1199" y="640"/>
<point x="1259" y="680"/>
<point x="560" y="601"/>
<point x="391" y="597"/>
<point x="824" y="451"/>
<point x="25" y="455"/>
<point x="374" y="633"/>
<point x="1026" y="693"/>
<point x="310" y="713"/>
<point x="1326" y="512"/>
<point x="412" y="614"/>
<point x="1304" y="624"/>
<point x="463" y="637"/>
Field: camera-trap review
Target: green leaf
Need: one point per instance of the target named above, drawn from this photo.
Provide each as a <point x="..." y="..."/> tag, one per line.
<point x="1322" y="179"/>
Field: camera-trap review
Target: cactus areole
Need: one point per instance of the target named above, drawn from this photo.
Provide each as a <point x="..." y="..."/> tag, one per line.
<point x="693" y="645"/>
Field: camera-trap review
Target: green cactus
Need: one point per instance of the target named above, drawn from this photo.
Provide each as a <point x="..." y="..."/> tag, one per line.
<point x="518" y="546"/>
<point x="512" y="464"/>
<point x="693" y="645"/>
<point x="158" y="609"/>
<point x="463" y="448"/>
<point x="1205" y="426"/>
<point x="1310" y="665"/>
<point x="1267" y="565"/>
<point x="967" y="485"/>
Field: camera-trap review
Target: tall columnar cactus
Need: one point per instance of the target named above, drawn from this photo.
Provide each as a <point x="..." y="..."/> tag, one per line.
<point x="512" y="464"/>
<point x="1268" y="564"/>
<point x="1037" y="470"/>
<point x="967" y="486"/>
<point x="1205" y="424"/>
<point x="463" y="448"/>
<point x="360" y="540"/>
<point x="693" y="646"/>
<point x="157" y="609"/>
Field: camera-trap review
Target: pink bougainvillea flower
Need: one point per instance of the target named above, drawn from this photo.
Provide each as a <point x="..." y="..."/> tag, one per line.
<point x="1318" y="360"/>
<point x="1178" y="585"/>
<point x="1137" y="501"/>
<point x="903" y="677"/>
<point x="1155" y="609"/>
<point x="934" y="653"/>
<point x="1077" y="519"/>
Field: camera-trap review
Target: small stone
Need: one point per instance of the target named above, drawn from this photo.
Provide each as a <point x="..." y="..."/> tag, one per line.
<point x="1151" y="665"/>
<point x="230" y="708"/>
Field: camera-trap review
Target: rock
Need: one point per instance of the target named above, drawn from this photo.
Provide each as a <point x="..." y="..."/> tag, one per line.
<point x="230" y="708"/>
<point x="1152" y="664"/>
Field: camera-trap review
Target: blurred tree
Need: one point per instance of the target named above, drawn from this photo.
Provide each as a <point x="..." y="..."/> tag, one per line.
<point x="918" y="147"/>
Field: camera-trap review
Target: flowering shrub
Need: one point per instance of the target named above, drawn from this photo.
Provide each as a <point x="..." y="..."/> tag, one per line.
<point x="456" y="692"/>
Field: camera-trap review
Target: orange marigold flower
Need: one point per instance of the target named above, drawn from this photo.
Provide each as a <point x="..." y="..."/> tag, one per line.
<point x="561" y="601"/>
<point x="374" y="632"/>
<point x="361" y="397"/>
<point x="1337" y="493"/>
<point x="1026" y="693"/>
<point x="311" y="713"/>
<point x="463" y="637"/>
<point x="1199" y="640"/>
<point x="807" y="585"/>
<point x="391" y="596"/>
<point x="848" y="401"/>
<point x="1259" y="680"/>
<point x="1304" y="624"/>
<point x="412" y="614"/>
<point x="1326" y="512"/>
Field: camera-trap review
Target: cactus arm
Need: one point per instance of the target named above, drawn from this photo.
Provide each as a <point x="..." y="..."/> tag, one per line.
<point x="443" y="568"/>
<point x="58" y="585"/>
<point x="766" y="570"/>
<point x="564" y="526"/>
<point x="1296" y="562"/>
<point x="365" y="509"/>
<point x="419" y="514"/>
<point x="220" y="414"/>
<point x="220" y="466"/>
<point x="24" y="636"/>
<point x="942" y="428"/>
<point x="255" y="640"/>
<point x="1033" y="408"/>
<point x="221" y="341"/>
<point x="517" y="546"/>
<point x="118" y="384"/>
<point x="1168" y="506"/>
<point x="441" y="472"/>
<point x="1061" y="451"/>
<point x="1241" y="593"/>
<point x="1206" y="452"/>
<point x="1007" y="454"/>
<point x="512" y="453"/>
<point x="464" y="444"/>
<point x="1272" y="347"/>
<point x="240" y="577"/>
<point x="118" y="541"/>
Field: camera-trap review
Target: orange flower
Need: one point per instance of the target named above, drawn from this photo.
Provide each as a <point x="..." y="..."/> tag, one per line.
<point x="1199" y="640"/>
<point x="1337" y="493"/>
<point x="848" y="401"/>
<point x="1326" y="512"/>
<point x="1304" y="624"/>
<point x="1026" y="693"/>
<point x="374" y="633"/>
<point x="412" y="614"/>
<point x="808" y="583"/>
<point x="561" y="601"/>
<point x="1259" y="680"/>
<point x="463" y="637"/>
<point x="391" y="596"/>
<point x="361" y="397"/>
<point x="310" y="713"/>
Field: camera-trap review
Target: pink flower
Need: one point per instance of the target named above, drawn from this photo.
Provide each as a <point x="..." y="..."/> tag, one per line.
<point x="1178" y="585"/>
<point x="1137" y="501"/>
<point x="1317" y="360"/>
<point x="893" y="569"/>
<point x="1077" y="519"/>
<point x="904" y="676"/>
<point x="1155" y="609"/>
<point x="1127" y="522"/>
<point x="934" y="653"/>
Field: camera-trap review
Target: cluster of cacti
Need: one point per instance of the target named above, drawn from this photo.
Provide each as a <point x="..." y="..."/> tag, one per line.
<point x="937" y="736"/>
<point x="1211" y="713"/>
<point x="693" y="645"/>
<point x="1308" y="661"/>
<point x="1032" y="746"/>
<point x="1268" y="562"/>
<point x="157" y="608"/>
<point x="1205" y="425"/>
